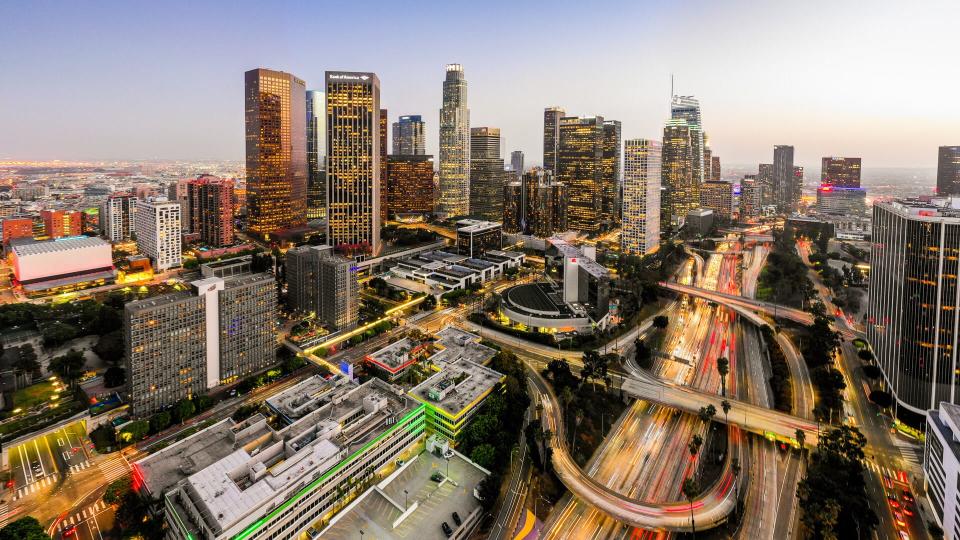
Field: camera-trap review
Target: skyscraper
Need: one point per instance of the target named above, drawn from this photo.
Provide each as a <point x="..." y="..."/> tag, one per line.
<point x="768" y="189"/>
<point x="580" y="167"/>
<point x="177" y="192"/>
<point x="715" y="168"/>
<point x="409" y="136"/>
<point x="486" y="174"/>
<point x="384" y="124"/>
<point x="116" y="216"/>
<point x="750" y="193"/>
<point x="610" y="173"/>
<point x="688" y="108"/>
<point x="840" y="172"/>
<point x="641" y="196"/>
<point x="535" y="205"/>
<point x="323" y="283"/>
<point x="551" y="136"/>
<point x="681" y="193"/>
<point x="948" y="170"/>
<point x="276" y="151"/>
<point x="210" y="201"/>
<point x="454" y="145"/>
<point x="410" y="188"/>
<point x="516" y="163"/>
<point x="159" y="233"/>
<point x="353" y="162"/>
<point x="707" y="163"/>
<point x="717" y="196"/>
<point x="316" y="155"/>
<point x="783" y="180"/>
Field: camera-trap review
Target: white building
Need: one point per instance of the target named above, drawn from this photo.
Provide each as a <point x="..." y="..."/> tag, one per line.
<point x="941" y="467"/>
<point x="159" y="233"/>
<point x="116" y="216"/>
<point x="641" y="197"/>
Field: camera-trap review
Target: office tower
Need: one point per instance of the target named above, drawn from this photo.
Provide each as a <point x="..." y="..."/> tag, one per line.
<point x="537" y="204"/>
<point x="841" y="201"/>
<point x="641" y="197"/>
<point x="715" y="168"/>
<point x="182" y="344"/>
<point x="159" y="233"/>
<point x="116" y="216"/>
<point x="681" y="193"/>
<point x="384" y="124"/>
<point x="210" y="207"/>
<point x="276" y="132"/>
<point x="486" y="174"/>
<point x="516" y="163"/>
<point x="580" y="167"/>
<point x="707" y="163"/>
<point x="911" y="318"/>
<point x="796" y="191"/>
<point x="688" y="108"/>
<point x="177" y="192"/>
<point x="551" y="136"/>
<point x="750" y="193"/>
<point x="941" y="465"/>
<point x="316" y="155"/>
<point x="840" y="172"/>
<point x="948" y="170"/>
<point x="454" y="145"/>
<point x="410" y="188"/>
<point x="476" y="237"/>
<point x="61" y="223"/>
<point x="783" y="180"/>
<point x="610" y="173"/>
<point x="717" y="196"/>
<point x="409" y="136"/>
<point x="768" y="189"/>
<point x="513" y="207"/>
<point x="353" y="162"/>
<point x="324" y="283"/>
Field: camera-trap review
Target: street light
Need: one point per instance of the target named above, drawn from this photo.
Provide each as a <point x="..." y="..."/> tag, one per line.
<point x="405" y="499"/>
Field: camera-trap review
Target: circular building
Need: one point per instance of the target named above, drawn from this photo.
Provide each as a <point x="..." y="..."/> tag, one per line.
<point x="540" y="308"/>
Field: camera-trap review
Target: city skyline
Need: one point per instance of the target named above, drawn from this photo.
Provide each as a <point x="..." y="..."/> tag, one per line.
<point x="850" y="116"/>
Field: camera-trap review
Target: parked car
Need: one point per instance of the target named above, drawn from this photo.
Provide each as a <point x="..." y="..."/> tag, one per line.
<point x="446" y="529"/>
<point x="456" y="519"/>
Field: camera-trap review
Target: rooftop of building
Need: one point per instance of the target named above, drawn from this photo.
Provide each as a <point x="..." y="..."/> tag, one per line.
<point x="396" y="355"/>
<point x="24" y="247"/>
<point x="305" y="397"/>
<point x="232" y="471"/>
<point x="456" y="343"/>
<point x="476" y="225"/>
<point x="947" y="421"/>
<point x="541" y="298"/>
<point x="700" y="212"/>
<point x="571" y="251"/>
<point x="457" y="386"/>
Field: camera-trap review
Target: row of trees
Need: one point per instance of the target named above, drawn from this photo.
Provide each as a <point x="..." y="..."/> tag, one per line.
<point x="818" y="351"/>
<point x="780" y="377"/>
<point x="784" y="279"/>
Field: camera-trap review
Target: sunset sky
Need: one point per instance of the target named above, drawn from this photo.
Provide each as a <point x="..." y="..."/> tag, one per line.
<point x="146" y="80"/>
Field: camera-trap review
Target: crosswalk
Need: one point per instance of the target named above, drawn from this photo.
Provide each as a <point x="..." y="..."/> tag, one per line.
<point x="912" y="453"/>
<point x="113" y="469"/>
<point x="82" y="515"/>
<point x="886" y="472"/>
<point x="4" y="510"/>
<point x="32" y="487"/>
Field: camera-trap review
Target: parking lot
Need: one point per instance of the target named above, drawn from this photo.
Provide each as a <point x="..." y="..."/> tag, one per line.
<point x="42" y="461"/>
<point x="376" y="513"/>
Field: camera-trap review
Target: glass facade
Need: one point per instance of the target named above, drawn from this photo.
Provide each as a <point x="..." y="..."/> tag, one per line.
<point x="454" y="145"/>
<point x="408" y="136"/>
<point x="580" y="167"/>
<point x="681" y="193"/>
<point x="641" y="197"/>
<point x="786" y="200"/>
<point x="410" y="188"/>
<point x="276" y="150"/>
<point x="610" y="174"/>
<point x="948" y="170"/>
<point x="551" y="136"/>
<point x="840" y="172"/>
<point x="486" y="174"/>
<point x="316" y="155"/>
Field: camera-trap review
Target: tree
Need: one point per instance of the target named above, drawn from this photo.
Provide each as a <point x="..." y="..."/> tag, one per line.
<point x="801" y="437"/>
<point x="114" y="376"/>
<point x="694" y="446"/>
<point x="735" y="469"/>
<point x="723" y="367"/>
<point x="643" y="356"/>
<point x="429" y="303"/>
<point x="489" y="490"/>
<point x="865" y="355"/>
<point x="110" y="347"/>
<point x="484" y="455"/>
<point x="117" y="490"/>
<point x="134" y="431"/>
<point x="690" y="491"/>
<point x="881" y="398"/>
<point x="725" y="405"/>
<point x="160" y="421"/>
<point x="69" y="366"/>
<point x="594" y="366"/>
<point x="707" y="413"/>
<point x="184" y="409"/>
<point x="57" y="333"/>
<point x="26" y="359"/>
<point x="661" y="321"/>
<point x="25" y="528"/>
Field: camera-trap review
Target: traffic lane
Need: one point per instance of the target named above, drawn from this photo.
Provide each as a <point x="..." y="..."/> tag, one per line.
<point x="93" y="526"/>
<point x="68" y="446"/>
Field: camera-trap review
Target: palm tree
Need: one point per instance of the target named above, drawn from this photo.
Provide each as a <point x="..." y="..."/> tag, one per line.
<point x="725" y="405"/>
<point x="723" y="367"/>
<point x="707" y="413"/>
<point x="690" y="491"/>
<point x="801" y="437"/>
<point x="735" y="467"/>
<point x="694" y="446"/>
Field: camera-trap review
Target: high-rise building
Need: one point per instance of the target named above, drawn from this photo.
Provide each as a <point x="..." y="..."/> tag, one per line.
<point x="535" y="205"/>
<point x="715" y="168"/>
<point x="353" y="162"/>
<point x="912" y="312"/>
<point x="841" y="172"/>
<point x="551" y="136"/>
<point x="159" y="233"/>
<point x="276" y="151"/>
<point x="796" y="191"/>
<point x="580" y="167"/>
<point x="384" y="126"/>
<point x="610" y="174"/>
<point x="486" y="174"/>
<point x="707" y="163"/>
<point x="454" y="145"/>
<point x="177" y="192"/>
<point x="680" y="190"/>
<point x="948" y="170"/>
<point x="717" y="196"/>
<point x="182" y="344"/>
<point x="516" y="163"/>
<point x="476" y="237"/>
<point x="61" y="223"/>
<point x="14" y="227"/>
<point x="750" y="192"/>
<point x="316" y="155"/>
<point x="783" y="179"/>
<point x="211" y="210"/>
<point x="941" y="466"/>
<point x="768" y="189"/>
<point x="641" y="197"/>
<point x="324" y="283"/>
<point x="409" y="136"/>
<point x="688" y="108"/>
<point x="117" y="215"/>
<point x="410" y="188"/>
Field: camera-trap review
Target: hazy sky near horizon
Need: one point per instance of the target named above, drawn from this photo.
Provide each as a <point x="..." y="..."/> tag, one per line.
<point x="164" y="80"/>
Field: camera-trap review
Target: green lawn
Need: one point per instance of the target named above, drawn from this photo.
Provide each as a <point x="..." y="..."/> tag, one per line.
<point x="33" y="395"/>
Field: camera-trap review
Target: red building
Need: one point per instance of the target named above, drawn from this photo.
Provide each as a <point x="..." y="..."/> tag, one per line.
<point x="210" y="201"/>
<point x="16" y="227"/>
<point x="61" y="223"/>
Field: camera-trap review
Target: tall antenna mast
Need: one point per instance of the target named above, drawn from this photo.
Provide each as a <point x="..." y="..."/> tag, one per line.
<point x="671" y="94"/>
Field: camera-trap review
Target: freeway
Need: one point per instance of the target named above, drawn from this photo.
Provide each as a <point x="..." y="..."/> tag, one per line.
<point x="731" y="300"/>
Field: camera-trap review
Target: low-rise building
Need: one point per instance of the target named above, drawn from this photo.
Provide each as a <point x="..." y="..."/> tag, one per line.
<point x="475" y="237"/>
<point x="446" y="272"/>
<point x="251" y="481"/>
<point x="393" y="360"/>
<point x="62" y="265"/>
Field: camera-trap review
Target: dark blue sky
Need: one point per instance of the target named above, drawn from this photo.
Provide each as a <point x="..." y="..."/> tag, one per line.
<point x="140" y="80"/>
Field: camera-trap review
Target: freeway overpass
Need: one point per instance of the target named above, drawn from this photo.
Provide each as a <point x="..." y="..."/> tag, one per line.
<point x="731" y="300"/>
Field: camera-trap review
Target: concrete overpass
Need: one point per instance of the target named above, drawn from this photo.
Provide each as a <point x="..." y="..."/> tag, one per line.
<point x="731" y="300"/>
